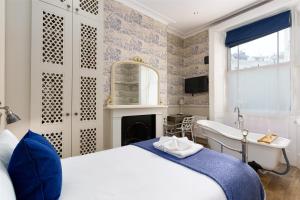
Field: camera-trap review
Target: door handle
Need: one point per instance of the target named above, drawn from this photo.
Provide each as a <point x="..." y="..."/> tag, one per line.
<point x="67" y="114"/>
<point x="75" y="113"/>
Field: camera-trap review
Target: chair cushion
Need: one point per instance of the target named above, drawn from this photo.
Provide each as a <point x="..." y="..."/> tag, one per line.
<point x="8" y="142"/>
<point x="35" y="169"/>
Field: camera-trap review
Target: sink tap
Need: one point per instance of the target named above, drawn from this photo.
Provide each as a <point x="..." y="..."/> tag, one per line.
<point x="240" y="121"/>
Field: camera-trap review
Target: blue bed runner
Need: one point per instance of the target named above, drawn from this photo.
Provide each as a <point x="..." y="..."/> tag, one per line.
<point x="237" y="179"/>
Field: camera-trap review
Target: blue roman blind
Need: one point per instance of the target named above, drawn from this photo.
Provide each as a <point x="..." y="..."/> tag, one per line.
<point x="258" y="29"/>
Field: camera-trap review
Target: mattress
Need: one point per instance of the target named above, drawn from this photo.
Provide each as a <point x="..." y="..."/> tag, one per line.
<point x="131" y="173"/>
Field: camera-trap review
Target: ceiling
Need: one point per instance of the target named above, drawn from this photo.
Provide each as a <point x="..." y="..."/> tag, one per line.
<point x="186" y="16"/>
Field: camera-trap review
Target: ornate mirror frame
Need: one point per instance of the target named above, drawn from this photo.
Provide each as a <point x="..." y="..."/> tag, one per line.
<point x="138" y="61"/>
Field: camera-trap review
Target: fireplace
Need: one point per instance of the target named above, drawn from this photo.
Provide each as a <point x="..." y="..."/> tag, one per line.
<point x="137" y="128"/>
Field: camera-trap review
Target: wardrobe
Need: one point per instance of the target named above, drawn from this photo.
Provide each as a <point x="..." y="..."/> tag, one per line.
<point x="66" y="70"/>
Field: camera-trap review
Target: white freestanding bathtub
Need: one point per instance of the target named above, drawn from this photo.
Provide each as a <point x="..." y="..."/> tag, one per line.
<point x="267" y="155"/>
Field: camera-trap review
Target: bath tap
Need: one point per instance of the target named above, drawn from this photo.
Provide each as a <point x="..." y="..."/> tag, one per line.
<point x="240" y="121"/>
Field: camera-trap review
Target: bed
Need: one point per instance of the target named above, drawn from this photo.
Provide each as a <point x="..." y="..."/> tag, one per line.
<point x="141" y="171"/>
<point x="132" y="173"/>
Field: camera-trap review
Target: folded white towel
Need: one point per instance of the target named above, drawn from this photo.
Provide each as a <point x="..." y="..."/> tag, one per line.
<point x="179" y="147"/>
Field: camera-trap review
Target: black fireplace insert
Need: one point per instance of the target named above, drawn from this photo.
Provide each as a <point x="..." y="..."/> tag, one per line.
<point x="138" y="128"/>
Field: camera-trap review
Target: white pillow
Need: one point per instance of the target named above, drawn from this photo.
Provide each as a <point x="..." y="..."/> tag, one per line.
<point x="6" y="187"/>
<point x="8" y="142"/>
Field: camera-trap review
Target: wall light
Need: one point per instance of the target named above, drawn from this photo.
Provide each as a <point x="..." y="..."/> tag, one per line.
<point x="11" y="117"/>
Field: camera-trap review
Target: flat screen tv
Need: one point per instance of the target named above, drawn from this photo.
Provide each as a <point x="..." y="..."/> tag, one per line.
<point x="196" y="85"/>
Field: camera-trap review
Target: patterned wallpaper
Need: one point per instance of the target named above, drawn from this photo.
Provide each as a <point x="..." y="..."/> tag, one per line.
<point x="175" y="64"/>
<point x="195" y="48"/>
<point x="185" y="60"/>
<point x="127" y="33"/>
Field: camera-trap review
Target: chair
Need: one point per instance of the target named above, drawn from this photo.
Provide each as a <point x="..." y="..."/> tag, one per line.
<point x="170" y="129"/>
<point x="186" y="126"/>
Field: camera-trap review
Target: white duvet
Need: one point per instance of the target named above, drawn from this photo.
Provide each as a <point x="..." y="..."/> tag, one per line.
<point x="131" y="173"/>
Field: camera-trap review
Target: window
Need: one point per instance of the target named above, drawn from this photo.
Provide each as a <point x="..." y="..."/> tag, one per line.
<point x="262" y="89"/>
<point x="259" y="67"/>
<point x="269" y="50"/>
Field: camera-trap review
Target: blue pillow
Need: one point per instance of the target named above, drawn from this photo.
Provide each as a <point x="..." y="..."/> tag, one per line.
<point x="35" y="169"/>
<point x="38" y="138"/>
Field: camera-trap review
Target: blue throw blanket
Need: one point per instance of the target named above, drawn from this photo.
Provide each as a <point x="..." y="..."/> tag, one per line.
<point x="237" y="179"/>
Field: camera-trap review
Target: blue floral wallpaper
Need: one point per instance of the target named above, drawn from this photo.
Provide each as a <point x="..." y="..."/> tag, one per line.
<point x="128" y="33"/>
<point x="195" y="48"/>
<point x="175" y="66"/>
<point x="185" y="60"/>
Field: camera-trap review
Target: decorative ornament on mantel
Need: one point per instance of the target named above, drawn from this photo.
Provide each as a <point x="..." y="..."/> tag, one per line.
<point x="108" y="101"/>
<point x="138" y="59"/>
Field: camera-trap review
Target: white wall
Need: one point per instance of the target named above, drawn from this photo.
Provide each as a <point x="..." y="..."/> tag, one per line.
<point x="18" y="41"/>
<point x="285" y="126"/>
<point x="296" y="83"/>
<point x="217" y="74"/>
<point x="2" y="59"/>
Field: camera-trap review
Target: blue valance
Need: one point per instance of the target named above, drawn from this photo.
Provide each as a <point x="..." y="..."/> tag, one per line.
<point x="258" y="29"/>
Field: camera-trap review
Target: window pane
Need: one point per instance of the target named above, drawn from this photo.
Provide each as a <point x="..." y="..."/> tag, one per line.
<point x="265" y="89"/>
<point x="284" y="45"/>
<point x="259" y="52"/>
<point x="234" y="58"/>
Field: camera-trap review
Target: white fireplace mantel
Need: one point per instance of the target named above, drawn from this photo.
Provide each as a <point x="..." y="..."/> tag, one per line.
<point x="116" y="112"/>
<point x="134" y="106"/>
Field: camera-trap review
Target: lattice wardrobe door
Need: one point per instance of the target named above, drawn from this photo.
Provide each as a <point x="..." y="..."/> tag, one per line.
<point x="87" y="88"/>
<point x="92" y="9"/>
<point x="51" y="75"/>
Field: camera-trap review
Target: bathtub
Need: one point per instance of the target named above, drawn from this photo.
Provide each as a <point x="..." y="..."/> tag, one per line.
<point x="267" y="155"/>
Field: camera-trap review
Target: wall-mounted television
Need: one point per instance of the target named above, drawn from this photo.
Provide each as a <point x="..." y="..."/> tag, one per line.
<point x="196" y="85"/>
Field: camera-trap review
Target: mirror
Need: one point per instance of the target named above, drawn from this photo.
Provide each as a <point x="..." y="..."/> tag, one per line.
<point x="134" y="83"/>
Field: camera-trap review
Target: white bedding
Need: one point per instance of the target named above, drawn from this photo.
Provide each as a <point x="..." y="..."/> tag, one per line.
<point x="131" y="173"/>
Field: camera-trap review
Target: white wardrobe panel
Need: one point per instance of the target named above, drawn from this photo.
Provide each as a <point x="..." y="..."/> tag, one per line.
<point x="51" y="75"/>
<point x="87" y="98"/>
<point x="89" y="8"/>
